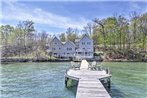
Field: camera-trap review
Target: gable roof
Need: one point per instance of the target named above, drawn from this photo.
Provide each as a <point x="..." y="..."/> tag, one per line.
<point x="63" y="43"/>
<point x="85" y="35"/>
<point x="76" y="40"/>
<point x="54" y="39"/>
<point x="70" y="43"/>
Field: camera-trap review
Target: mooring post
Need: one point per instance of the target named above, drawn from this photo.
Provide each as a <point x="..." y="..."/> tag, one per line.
<point x="66" y="79"/>
<point x="109" y="83"/>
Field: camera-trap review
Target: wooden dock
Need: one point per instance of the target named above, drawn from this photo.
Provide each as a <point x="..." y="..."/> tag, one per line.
<point x="91" y="88"/>
<point x="89" y="85"/>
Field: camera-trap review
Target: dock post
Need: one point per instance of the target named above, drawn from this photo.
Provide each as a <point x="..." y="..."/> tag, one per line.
<point x="109" y="83"/>
<point x="66" y="79"/>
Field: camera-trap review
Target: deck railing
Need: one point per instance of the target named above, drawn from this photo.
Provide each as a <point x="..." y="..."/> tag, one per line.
<point x="100" y="68"/>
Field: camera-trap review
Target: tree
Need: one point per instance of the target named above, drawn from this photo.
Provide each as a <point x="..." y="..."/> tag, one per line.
<point x="102" y="29"/>
<point x="88" y="29"/>
<point x="96" y="35"/>
<point x="110" y="24"/>
<point x="134" y="26"/>
<point x="44" y="39"/>
<point x="122" y="25"/>
<point x="143" y="28"/>
<point x="62" y="37"/>
<point x="5" y="31"/>
<point x="19" y="41"/>
<point x="71" y="34"/>
<point x="26" y="27"/>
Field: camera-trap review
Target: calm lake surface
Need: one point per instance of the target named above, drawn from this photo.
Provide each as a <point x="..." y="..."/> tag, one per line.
<point x="46" y="80"/>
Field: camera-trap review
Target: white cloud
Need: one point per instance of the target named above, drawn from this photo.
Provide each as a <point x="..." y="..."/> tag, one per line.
<point x="20" y="12"/>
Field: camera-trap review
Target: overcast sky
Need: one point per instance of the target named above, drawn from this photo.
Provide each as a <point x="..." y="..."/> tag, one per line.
<point x="56" y="16"/>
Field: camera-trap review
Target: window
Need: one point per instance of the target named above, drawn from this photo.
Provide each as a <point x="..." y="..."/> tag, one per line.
<point x="79" y="52"/>
<point x="53" y="48"/>
<point x="55" y="43"/>
<point x="88" y="43"/>
<point x="83" y="43"/>
<point x="59" y="48"/>
<point x="55" y="53"/>
<point x="69" y="48"/>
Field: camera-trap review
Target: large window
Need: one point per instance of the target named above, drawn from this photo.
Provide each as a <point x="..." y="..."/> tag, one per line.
<point x="69" y="49"/>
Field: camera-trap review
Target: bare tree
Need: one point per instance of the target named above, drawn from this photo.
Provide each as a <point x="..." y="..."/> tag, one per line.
<point x="88" y="29"/>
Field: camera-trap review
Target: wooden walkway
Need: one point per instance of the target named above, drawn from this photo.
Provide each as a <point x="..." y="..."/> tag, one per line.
<point x="91" y="88"/>
<point x="89" y="85"/>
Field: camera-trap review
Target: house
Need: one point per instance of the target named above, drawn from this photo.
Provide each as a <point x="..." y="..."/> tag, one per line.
<point x="61" y="49"/>
<point x="55" y="47"/>
<point x="68" y="49"/>
<point x="84" y="47"/>
<point x="81" y="48"/>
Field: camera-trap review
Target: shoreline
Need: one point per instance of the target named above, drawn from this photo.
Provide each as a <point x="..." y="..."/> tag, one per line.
<point x="60" y="60"/>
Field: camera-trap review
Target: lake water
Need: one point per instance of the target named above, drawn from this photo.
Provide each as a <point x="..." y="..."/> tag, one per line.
<point x="46" y="80"/>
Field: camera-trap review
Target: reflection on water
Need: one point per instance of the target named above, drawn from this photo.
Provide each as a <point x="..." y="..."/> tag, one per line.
<point x="46" y="80"/>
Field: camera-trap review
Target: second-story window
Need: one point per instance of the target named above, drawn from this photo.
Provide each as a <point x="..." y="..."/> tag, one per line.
<point x="53" y="48"/>
<point x="88" y="43"/>
<point x="83" y="43"/>
<point x="69" y="49"/>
